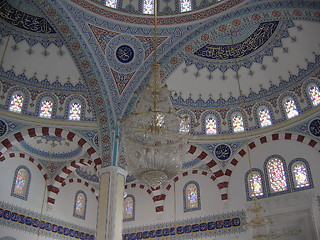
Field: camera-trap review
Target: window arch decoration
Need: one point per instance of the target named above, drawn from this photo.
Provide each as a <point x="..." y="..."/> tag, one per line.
<point x="256" y="110"/>
<point x="111" y="3"/>
<point x="80" y="205"/>
<point x="314" y="94"/>
<point x="129" y="206"/>
<point x="237" y="122"/>
<point x="212" y="121"/>
<point x="191" y="197"/>
<point x="185" y="5"/>
<point x="21" y="183"/>
<point x="288" y="103"/>
<point x="46" y="106"/>
<point x="148" y="7"/>
<point x="14" y="106"/>
<point x="300" y="174"/>
<point x="256" y="186"/>
<point x="189" y="121"/>
<point x="264" y="116"/>
<point x="76" y="115"/>
<point x="310" y="98"/>
<point x="276" y="175"/>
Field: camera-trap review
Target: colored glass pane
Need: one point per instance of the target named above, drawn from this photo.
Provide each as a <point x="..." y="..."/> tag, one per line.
<point x="255" y="185"/>
<point x="211" y="125"/>
<point x="160" y="120"/>
<point x="265" y="119"/>
<point x="80" y="204"/>
<point x="315" y="95"/>
<point x="16" y="103"/>
<point x="111" y="3"/>
<point x="185" y="5"/>
<point x="276" y="174"/>
<point x="185" y="124"/>
<point x="21" y="183"/>
<point x="291" y="108"/>
<point x="148" y="6"/>
<point x="300" y="176"/>
<point x="46" y="109"/>
<point x="74" y="112"/>
<point x="237" y="122"/>
<point x="192" y="196"/>
<point x="128" y="208"/>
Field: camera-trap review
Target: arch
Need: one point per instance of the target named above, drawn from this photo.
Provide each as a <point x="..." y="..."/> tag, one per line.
<point x="24" y="99"/>
<point x="286" y="102"/>
<point x="44" y="97"/>
<point x="232" y="120"/>
<point x="191" y="197"/>
<point x="204" y="117"/>
<point x="298" y="168"/>
<point x="80" y="205"/>
<point x="76" y="100"/>
<point x="85" y="183"/>
<point x="129" y="208"/>
<point x="305" y="88"/>
<point x="191" y="119"/>
<point x="249" y="190"/>
<point x="21" y="183"/>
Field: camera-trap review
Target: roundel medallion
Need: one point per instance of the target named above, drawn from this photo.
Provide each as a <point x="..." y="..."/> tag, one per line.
<point x="314" y="127"/>
<point x="124" y="53"/>
<point x="222" y="152"/>
<point x="3" y="128"/>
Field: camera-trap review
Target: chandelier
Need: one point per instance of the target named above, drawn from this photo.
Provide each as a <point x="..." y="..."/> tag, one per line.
<point x="154" y="146"/>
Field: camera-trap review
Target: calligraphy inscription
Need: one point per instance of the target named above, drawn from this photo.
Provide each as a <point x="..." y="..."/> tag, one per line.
<point x="23" y="20"/>
<point x="314" y="127"/>
<point x="225" y="52"/>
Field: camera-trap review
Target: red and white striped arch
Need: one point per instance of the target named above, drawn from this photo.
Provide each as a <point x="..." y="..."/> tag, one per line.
<point x="85" y="183"/>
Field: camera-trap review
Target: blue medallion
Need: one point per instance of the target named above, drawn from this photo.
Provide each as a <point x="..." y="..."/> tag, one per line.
<point x="222" y="152"/>
<point x="3" y="128"/>
<point x="125" y="54"/>
<point x="314" y="127"/>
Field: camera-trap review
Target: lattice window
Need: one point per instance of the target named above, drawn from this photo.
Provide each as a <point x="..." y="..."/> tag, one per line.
<point x="185" y="124"/>
<point x="74" y="111"/>
<point x="256" y="189"/>
<point x="46" y="109"/>
<point x="191" y="192"/>
<point x="80" y="205"/>
<point x="128" y="213"/>
<point x="16" y="103"/>
<point x="314" y="94"/>
<point x="211" y="125"/>
<point x="300" y="175"/>
<point x="111" y="3"/>
<point x="237" y="122"/>
<point x="291" y="108"/>
<point x="148" y="6"/>
<point x="264" y="117"/>
<point x="21" y="183"/>
<point x="185" y="5"/>
<point x="276" y="175"/>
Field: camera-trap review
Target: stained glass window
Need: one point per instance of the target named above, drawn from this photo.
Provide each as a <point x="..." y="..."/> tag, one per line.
<point x="276" y="174"/>
<point x="80" y="205"/>
<point x="185" y="124"/>
<point x="16" y="103"/>
<point x="314" y="94"/>
<point x="291" y="108"/>
<point x="74" y="111"/>
<point x="160" y="120"/>
<point x="148" y="6"/>
<point x="237" y="122"/>
<point x="128" y="213"/>
<point x="46" y="109"/>
<point x="111" y="3"/>
<point x="191" y="194"/>
<point x="21" y="183"/>
<point x="300" y="175"/>
<point x="256" y="189"/>
<point x="185" y="5"/>
<point x="264" y="117"/>
<point x="211" y="125"/>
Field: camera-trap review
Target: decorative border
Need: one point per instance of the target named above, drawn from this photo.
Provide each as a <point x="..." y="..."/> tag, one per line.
<point x="25" y="196"/>
<point x="33" y="222"/>
<point x="214" y="225"/>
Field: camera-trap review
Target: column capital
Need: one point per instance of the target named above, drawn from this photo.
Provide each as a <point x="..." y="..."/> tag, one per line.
<point x="113" y="170"/>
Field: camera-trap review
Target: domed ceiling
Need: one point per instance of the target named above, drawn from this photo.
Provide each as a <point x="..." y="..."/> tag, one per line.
<point x="266" y="49"/>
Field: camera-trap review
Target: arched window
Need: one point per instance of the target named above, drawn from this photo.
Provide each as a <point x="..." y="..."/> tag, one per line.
<point x="255" y="183"/>
<point x="111" y="3"/>
<point x="237" y="123"/>
<point x="264" y="117"/>
<point x="314" y="94"/>
<point x="300" y="174"/>
<point x="129" y="208"/>
<point x="185" y="124"/>
<point x="185" y="5"/>
<point x="21" y="183"/>
<point x="74" y="111"/>
<point x="291" y="108"/>
<point x="148" y="6"/>
<point x="46" y="109"/>
<point x="191" y="196"/>
<point x="16" y="103"/>
<point x="80" y="205"/>
<point x="276" y="175"/>
<point x="211" y="125"/>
